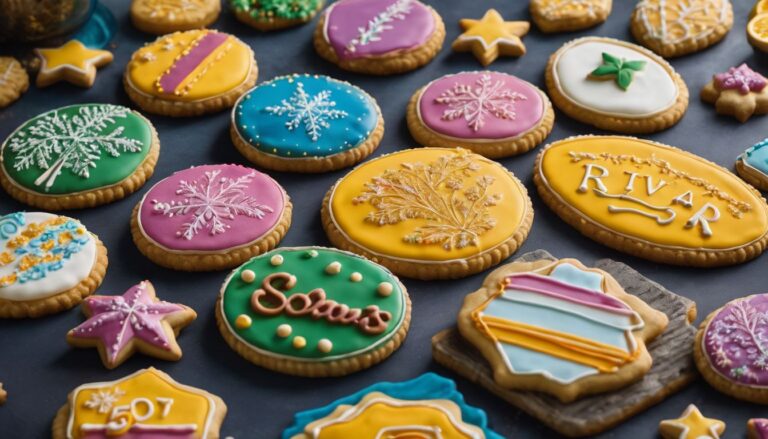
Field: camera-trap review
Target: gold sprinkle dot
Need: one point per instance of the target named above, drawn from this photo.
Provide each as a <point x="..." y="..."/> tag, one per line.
<point x="333" y="268"/>
<point x="276" y="260"/>
<point x="299" y="342"/>
<point x="384" y="289"/>
<point x="248" y="276"/>
<point x="284" y="330"/>
<point x="324" y="345"/>
<point x="355" y="277"/>
<point x="243" y="322"/>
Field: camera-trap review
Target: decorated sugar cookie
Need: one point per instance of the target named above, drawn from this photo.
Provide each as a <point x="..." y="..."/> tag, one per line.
<point x="165" y="16"/>
<point x="313" y="311"/>
<point x="3" y="395"/>
<point x="14" y="80"/>
<point x="752" y="165"/>
<point x="135" y="321"/>
<point x="145" y="404"/>
<point x="210" y="217"/>
<point x="691" y="425"/>
<point x="268" y="15"/>
<point x="561" y="328"/>
<point x="740" y="92"/>
<point x="48" y="264"/>
<point x="491" y="37"/>
<point x="569" y="15"/>
<point x="652" y="200"/>
<point x="679" y="27"/>
<point x="757" y="428"/>
<point x="190" y="73"/>
<point x="615" y="85"/>
<point x="425" y="407"/>
<point x="491" y="113"/>
<point x="429" y="213"/>
<point x="379" y="37"/>
<point x="306" y="123"/>
<point x="79" y="156"/>
<point x="72" y="62"/>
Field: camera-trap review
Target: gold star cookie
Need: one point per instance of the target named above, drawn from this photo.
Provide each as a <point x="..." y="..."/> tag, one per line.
<point x="691" y="425"/>
<point x="72" y="62"/>
<point x="491" y="36"/>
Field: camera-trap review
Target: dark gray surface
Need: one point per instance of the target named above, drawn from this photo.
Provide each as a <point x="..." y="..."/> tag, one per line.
<point x="39" y="369"/>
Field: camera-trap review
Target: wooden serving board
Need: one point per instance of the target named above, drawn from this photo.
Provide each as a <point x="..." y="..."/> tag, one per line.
<point x="672" y="369"/>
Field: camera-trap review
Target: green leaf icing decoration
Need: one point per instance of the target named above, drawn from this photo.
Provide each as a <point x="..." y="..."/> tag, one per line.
<point x="620" y="69"/>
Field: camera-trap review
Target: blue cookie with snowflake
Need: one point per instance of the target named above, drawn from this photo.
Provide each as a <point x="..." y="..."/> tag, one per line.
<point x="306" y="123"/>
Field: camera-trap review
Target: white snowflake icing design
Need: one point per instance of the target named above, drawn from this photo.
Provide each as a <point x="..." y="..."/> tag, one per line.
<point x="474" y="104"/>
<point x="739" y="341"/>
<point x="211" y="201"/>
<point x="380" y="23"/>
<point x="313" y="112"/>
<point x="56" y="141"/>
<point x="103" y="400"/>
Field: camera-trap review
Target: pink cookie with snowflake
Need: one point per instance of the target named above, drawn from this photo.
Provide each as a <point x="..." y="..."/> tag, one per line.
<point x="490" y="113"/>
<point x="211" y="217"/>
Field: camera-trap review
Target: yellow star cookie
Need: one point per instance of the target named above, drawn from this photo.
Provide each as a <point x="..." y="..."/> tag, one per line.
<point x="72" y="62"/>
<point x="691" y="425"/>
<point x="491" y="36"/>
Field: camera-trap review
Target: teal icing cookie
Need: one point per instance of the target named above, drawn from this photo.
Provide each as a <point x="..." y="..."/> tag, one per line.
<point x="752" y="165"/>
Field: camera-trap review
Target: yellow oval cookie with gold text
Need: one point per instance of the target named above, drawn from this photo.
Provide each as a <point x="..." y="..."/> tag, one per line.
<point x="429" y="213"/>
<point x="652" y="200"/>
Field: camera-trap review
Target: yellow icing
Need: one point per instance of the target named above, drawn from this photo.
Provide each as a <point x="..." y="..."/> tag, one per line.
<point x="743" y="215"/>
<point x="189" y="406"/>
<point x="492" y="28"/>
<point x="72" y="54"/>
<point x="568" y="9"/>
<point x="691" y="425"/>
<point x="388" y="239"/>
<point x="224" y="69"/>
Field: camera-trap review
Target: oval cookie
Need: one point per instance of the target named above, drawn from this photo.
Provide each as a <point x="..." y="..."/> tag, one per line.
<point x="313" y="311"/>
<point x="275" y="14"/>
<point x="491" y="113"/>
<point x="752" y="165"/>
<point x="48" y="263"/>
<point x="652" y="200"/>
<point x="616" y="86"/>
<point x="165" y="16"/>
<point x="429" y="213"/>
<point x="190" y="73"/>
<point x="306" y="123"/>
<point x="210" y="217"/>
<point x="79" y="156"/>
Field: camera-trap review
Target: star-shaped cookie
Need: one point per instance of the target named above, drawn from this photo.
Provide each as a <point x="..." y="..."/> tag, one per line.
<point x="691" y="425"/>
<point x="136" y="321"/>
<point x="491" y="36"/>
<point x="72" y="62"/>
<point x="740" y="92"/>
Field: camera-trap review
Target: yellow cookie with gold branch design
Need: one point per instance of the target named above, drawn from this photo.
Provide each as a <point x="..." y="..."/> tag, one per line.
<point x="190" y="73"/>
<point x="569" y="15"/>
<point x="429" y="213"/>
<point x="161" y="17"/>
<point x="678" y="27"/>
<point x="691" y="425"/>
<point x="652" y="200"/>
<point x="14" y="80"/>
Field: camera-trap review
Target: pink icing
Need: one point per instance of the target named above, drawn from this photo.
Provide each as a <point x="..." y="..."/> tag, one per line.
<point x="118" y="320"/>
<point x="480" y="105"/>
<point x="405" y="24"/>
<point x="143" y="432"/>
<point x="741" y="78"/>
<point x="211" y="208"/>
<point x="761" y="427"/>
<point x="189" y="62"/>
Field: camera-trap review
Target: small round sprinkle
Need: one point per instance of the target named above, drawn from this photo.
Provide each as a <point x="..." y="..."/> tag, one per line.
<point x="324" y="345"/>
<point x="248" y="276"/>
<point x="284" y="330"/>
<point x="384" y="289"/>
<point x="355" y="277"/>
<point x="333" y="268"/>
<point x="276" y="260"/>
<point x="312" y="254"/>
<point x="299" y="342"/>
<point x="243" y="322"/>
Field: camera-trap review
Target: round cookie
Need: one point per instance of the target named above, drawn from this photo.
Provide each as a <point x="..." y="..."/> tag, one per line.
<point x="48" y="264"/>
<point x="165" y="16"/>
<point x="79" y="156"/>
<point x="190" y="73"/>
<point x="616" y="86"/>
<point x="313" y="311"/>
<point x="678" y="27"/>
<point x="429" y="213"/>
<point x="569" y="15"/>
<point x="210" y="217"/>
<point x="730" y="350"/>
<point x="379" y="37"/>
<point x="306" y="123"/>
<point x="490" y="113"/>
<point x="266" y="15"/>
<point x="752" y="165"/>
<point x="14" y="80"/>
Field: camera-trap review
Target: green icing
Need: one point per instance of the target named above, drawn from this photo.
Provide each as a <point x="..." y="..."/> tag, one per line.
<point x="267" y="10"/>
<point x="310" y="273"/>
<point x="621" y="70"/>
<point x="76" y="148"/>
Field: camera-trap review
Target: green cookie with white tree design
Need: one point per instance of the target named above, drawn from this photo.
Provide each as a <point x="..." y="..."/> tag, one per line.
<point x="266" y="15"/>
<point x="79" y="156"/>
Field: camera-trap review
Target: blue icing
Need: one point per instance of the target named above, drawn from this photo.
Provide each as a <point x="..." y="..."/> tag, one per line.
<point x="272" y="117"/>
<point x="9" y="224"/>
<point x="573" y="275"/>
<point x="524" y="361"/>
<point x="757" y="156"/>
<point x="427" y="386"/>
